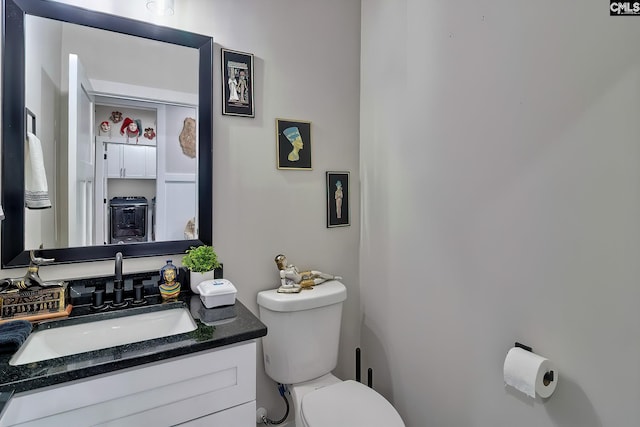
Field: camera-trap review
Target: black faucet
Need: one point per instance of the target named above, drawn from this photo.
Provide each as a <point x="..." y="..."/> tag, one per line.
<point x="118" y="272"/>
<point x="118" y="283"/>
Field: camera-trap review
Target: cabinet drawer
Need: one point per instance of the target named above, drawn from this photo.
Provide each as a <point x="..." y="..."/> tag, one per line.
<point x="239" y="416"/>
<point x="175" y="390"/>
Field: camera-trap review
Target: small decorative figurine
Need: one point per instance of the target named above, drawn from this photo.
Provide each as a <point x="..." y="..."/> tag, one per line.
<point x="190" y="229"/>
<point x="131" y="128"/>
<point x="149" y="133"/>
<point x="116" y="116"/>
<point x="105" y="128"/>
<point x="169" y="286"/>
<point x="292" y="280"/>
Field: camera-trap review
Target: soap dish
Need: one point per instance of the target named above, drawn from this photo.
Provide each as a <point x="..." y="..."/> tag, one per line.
<point x="217" y="293"/>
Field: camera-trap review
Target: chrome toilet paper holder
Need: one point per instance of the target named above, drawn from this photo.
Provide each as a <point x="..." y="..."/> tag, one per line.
<point x="548" y="376"/>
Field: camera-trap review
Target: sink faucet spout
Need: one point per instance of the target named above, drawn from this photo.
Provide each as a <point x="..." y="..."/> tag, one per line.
<point x="118" y="271"/>
<point x="118" y="284"/>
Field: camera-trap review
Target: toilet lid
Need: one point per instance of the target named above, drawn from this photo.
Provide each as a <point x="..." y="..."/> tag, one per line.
<point x="348" y="403"/>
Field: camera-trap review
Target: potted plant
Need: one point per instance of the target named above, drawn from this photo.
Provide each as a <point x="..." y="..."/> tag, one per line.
<point x="201" y="261"/>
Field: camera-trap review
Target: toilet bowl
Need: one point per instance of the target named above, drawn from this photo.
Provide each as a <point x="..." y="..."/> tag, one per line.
<point x="341" y="403"/>
<point x="301" y="349"/>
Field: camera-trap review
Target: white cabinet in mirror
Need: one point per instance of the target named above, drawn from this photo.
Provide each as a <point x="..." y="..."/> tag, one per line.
<point x="129" y="161"/>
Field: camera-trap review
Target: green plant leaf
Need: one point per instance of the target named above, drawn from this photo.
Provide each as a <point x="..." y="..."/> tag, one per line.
<point x="201" y="259"/>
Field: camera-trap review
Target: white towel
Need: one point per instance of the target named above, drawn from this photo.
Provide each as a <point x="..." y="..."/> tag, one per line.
<point x="36" y="194"/>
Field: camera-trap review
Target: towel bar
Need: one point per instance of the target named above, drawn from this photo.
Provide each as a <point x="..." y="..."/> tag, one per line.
<point x="33" y="121"/>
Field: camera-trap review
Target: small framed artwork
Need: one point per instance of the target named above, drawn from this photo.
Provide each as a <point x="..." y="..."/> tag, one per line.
<point x="237" y="83"/>
<point x="293" y="144"/>
<point x="337" y="199"/>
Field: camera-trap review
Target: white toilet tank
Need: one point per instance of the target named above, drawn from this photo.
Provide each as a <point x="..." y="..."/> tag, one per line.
<point x="303" y="331"/>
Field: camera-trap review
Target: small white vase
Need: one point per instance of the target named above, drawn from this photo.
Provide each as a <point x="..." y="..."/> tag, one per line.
<point x="195" y="278"/>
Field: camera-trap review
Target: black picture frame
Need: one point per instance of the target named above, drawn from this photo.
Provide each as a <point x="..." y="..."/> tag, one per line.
<point x="338" y="211"/>
<point x="293" y="144"/>
<point x="237" y="83"/>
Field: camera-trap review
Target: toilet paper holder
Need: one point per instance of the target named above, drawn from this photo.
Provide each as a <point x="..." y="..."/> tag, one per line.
<point x="548" y="376"/>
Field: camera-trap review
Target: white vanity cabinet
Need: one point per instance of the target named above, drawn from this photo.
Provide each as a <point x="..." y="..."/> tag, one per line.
<point x="130" y="161"/>
<point x="212" y="387"/>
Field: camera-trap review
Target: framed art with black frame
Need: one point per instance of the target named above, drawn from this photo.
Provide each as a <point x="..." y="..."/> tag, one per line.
<point x="293" y="144"/>
<point x="237" y="83"/>
<point x="338" y="199"/>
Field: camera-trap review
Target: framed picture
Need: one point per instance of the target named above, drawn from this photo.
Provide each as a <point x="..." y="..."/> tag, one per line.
<point x="293" y="144"/>
<point x="337" y="199"/>
<point x="237" y="83"/>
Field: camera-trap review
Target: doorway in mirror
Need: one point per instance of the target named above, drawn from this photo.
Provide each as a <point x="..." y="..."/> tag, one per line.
<point x="139" y="155"/>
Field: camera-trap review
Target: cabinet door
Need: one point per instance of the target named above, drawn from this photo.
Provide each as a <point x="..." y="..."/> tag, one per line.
<point x="114" y="160"/>
<point x="150" y="162"/>
<point x="133" y="161"/>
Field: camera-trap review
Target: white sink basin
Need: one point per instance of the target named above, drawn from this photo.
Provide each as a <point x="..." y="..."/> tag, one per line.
<point x="79" y="338"/>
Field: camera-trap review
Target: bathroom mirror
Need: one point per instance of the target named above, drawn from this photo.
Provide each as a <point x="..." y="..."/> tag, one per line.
<point x="17" y="16"/>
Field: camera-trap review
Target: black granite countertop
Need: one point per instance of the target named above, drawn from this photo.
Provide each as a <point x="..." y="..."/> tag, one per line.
<point x="217" y="327"/>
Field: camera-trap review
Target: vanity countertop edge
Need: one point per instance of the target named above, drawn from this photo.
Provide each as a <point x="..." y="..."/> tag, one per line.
<point x="239" y="325"/>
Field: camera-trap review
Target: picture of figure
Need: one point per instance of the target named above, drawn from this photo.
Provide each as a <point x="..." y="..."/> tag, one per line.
<point x="237" y="82"/>
<point x="293" y="144"/>
<point x="338" y="196"/>
<point x="293" y="135"/>
<point x="337" y="199"/>
<point x="233" y="88"/>
<point x="242" y="87"/>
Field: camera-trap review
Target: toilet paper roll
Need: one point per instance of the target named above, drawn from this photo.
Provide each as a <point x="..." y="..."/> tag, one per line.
<point x="525" y="371"/>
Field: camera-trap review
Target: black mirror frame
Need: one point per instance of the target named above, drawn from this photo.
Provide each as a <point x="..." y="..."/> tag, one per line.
<point x="14" y="129"/>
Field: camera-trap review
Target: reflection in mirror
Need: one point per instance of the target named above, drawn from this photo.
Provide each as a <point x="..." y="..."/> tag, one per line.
<point x="123" y="179"/>
<point x="124" y="123"/>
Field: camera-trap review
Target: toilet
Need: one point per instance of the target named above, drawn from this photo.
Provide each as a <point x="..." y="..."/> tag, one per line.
<point x="301" y="349"/>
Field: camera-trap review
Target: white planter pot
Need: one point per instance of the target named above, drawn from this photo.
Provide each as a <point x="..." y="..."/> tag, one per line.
<point x="196" y="278"/>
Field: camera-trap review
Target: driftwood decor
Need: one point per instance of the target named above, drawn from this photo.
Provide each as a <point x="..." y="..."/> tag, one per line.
<point x="188" y="137"/>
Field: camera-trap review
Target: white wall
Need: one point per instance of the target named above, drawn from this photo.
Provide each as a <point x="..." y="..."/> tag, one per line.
<point x="176" y="176"/>
<point x="501" y="202"/>
<point x="307" y="68"/>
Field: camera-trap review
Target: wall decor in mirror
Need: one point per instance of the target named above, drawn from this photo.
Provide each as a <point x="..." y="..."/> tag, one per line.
<point x="122" y="112"/>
